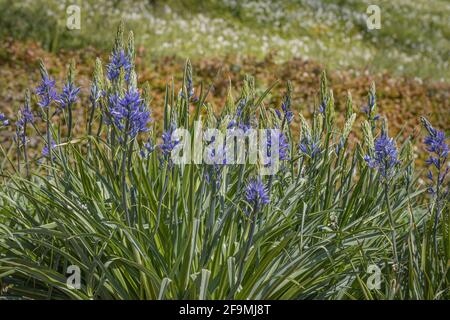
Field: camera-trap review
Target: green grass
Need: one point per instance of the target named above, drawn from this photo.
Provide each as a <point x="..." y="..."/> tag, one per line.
<point x="413" y="40"/>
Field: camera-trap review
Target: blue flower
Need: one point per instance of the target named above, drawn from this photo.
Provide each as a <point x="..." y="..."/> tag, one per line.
<point x="385" y="156"/>
<point x="168" y="143"/>
<point x="149" y="147"/>
<point x="368" y="110"/>
<point x="216" y="157"/>
<point x="238" y="122"/>
<point x="309" y="146"/>
<point x="69" y="95"/>
<point x="136" y="112"/>
<point x="119" y="60"/>
<point x="256" y="194"/>
<point x="438" y="153"/>
<point x="96" y="94"/>
<point x="240" y="107"/>
<point x="244" y="127"/>
<point x="46" y="91"/>
<point x="189" y="88"/>
<point x="283" y="146"/>
<point x="339" y="146"/>
<point x="278" y="114"/>
<point x="286" y="107"/>
<point x="437" y="148"/>
<point x="45" y="149"/>
<point x="25" y="117"/>
<point x="3" y="120"/>
<point x="323" y="105"/>
<point x="231" y="124"/>
<point x="129" y="110"/>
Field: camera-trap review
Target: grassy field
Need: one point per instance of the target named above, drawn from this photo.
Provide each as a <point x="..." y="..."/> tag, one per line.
<point x="413" y="39"/>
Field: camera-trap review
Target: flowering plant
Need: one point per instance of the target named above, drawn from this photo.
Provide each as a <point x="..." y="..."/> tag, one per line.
<point x="139" y="225"/>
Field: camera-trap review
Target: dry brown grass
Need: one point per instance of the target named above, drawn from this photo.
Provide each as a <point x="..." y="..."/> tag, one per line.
<point x="401" y="100"/>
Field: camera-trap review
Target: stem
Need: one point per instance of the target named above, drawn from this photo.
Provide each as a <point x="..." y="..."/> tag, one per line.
<point x="210" y="221"/>
<point x="438" y="210"/>
<point x="49" y="144"/>
<point x="25" y="156"/>
<point x="269" y="185"/>
<point x="299" y="170"/>
<point x="69" y="107"/>
<point x="391" y="222"/>
<point x="91" y="116"/>
<point x="18" y="155"/>
<point x="124" y="188"/>
<point x="100" y="124"/>
<point x="247" y="247"/>
<point x="124" y="173"/>
<point x="158" y="217"/>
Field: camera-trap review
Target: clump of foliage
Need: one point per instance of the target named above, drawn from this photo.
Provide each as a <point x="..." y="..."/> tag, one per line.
<point x="142" y="227"/>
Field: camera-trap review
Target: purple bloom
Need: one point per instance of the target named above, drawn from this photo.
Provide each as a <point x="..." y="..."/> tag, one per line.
<point x="237" y="124"/>
<point x="240" y="107"/>
<point x="309" y="146"/>
<point x="438" y="153"/>
<point x="289" y="116"/>
<point x="256" y="194"/>
<point x="25" y="117"/>
<point x="119" y="60"/>
<point x="238" y="121"/>
<point x="136" y="112"/>
<point x="437" y="148"/>
<point x="168" y="143"/>
<point x="95" y="93"/>
<point x="69" y="95"/>
<point x="278" y="113"/>
<point x="216" y="157"/>
<point x="385" y="158"/>
<point x="3" y="120"/>
<point x="283" y="146"/>
<point x="244" y="127"/>
<point x="114" y="115"/>
<point x="231" y="124"/>
<point x="149" y="147"/>
<point x="368" y="110"/>
<point x="46" y="91"/>
<point x="339" y="146"/>
<point x="323" y="105"/>
<point x="189" y="88"/>
<point x="45" y="149"/>
<point x="131" y="111"/>
<point x="286" y="107"/>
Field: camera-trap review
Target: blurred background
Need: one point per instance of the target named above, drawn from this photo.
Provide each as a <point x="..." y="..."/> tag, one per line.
<point x="408" y="57"/>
